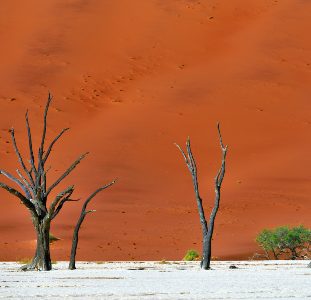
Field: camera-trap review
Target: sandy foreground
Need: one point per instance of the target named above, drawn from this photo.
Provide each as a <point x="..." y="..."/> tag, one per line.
<point x="155" y="280"/>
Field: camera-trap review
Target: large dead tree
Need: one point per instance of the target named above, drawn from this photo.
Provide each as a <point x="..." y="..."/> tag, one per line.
<point x="34" y="191"/>
<point x="207" y="228"/>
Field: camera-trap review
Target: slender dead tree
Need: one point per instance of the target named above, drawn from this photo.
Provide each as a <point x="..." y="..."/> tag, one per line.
<point x="207" y="228"/>
<point x="32" y="181"/>
<point x="84" y="212"/>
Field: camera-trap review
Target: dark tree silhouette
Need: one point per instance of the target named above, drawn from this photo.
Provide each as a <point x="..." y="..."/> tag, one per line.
<point x="207" y="229"/>
<point x="84" y="212"/>
<point x="32" y="181"/>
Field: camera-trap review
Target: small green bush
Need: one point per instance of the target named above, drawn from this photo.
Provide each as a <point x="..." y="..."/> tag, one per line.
<point x="191" y="255"/>
<point x="285" y="241"/>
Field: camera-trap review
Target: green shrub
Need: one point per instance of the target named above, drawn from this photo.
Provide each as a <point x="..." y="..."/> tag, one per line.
<point x="191" y="255"/>
<point x="268" y="241"/>
<point x="290" y="242"/>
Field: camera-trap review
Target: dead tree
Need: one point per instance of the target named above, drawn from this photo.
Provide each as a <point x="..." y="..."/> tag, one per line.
<point x="207" y="228"/>
<point x="32" y="181"/>
<point x="84" y="212"/>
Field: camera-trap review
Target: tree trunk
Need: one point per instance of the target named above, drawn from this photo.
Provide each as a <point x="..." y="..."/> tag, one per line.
<point x="274" y="254"/>
<point x="206" y="253"/>
<point x="207" y="248"/>
<point x="75" y="239"/>
<point x="42" y="258"/>
<point x="294" y="254"/>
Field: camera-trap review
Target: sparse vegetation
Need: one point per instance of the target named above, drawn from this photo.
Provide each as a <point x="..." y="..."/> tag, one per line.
<point x="191" y="255"/>
<point x="286" y="242"/>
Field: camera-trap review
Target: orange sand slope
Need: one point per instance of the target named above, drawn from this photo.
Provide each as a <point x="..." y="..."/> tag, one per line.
<point x="131" y="77"/>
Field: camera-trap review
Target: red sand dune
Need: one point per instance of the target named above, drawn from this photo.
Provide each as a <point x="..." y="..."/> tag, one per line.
<point x="132" y="77"/>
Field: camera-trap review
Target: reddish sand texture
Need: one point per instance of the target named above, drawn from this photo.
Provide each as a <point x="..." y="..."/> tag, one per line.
<point x="130" y="78"/>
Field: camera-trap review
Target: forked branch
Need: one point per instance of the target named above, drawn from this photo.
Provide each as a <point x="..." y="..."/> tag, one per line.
<point x="64" y="194"/>
<point x="207" y="229"/>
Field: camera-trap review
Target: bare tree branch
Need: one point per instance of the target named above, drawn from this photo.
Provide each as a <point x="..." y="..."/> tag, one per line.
<point x="191" y="159"/>
<point x="43" y="181"/>
<point x="183" y="153"/>
<point x="66" y="173"/>
<point x="221" y="173"/>
<point x="87" y="201"/>
<point x="67" y="192"/>
<point x="218" y="181"/>
<point x="16" y="193"/>
<point x="52" y="144"/>
<point x="45" y="123"/>
<point x="32" y="158"/>
<point x="60" y="205"/>
<point x="17" y="181"/>
<point x="40" y="175"/>
<point x="20" y="159"/>
<point x="30" y="188"/>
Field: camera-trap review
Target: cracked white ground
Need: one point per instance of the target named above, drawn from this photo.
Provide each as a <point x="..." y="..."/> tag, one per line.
<point x="154" y="280"/>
